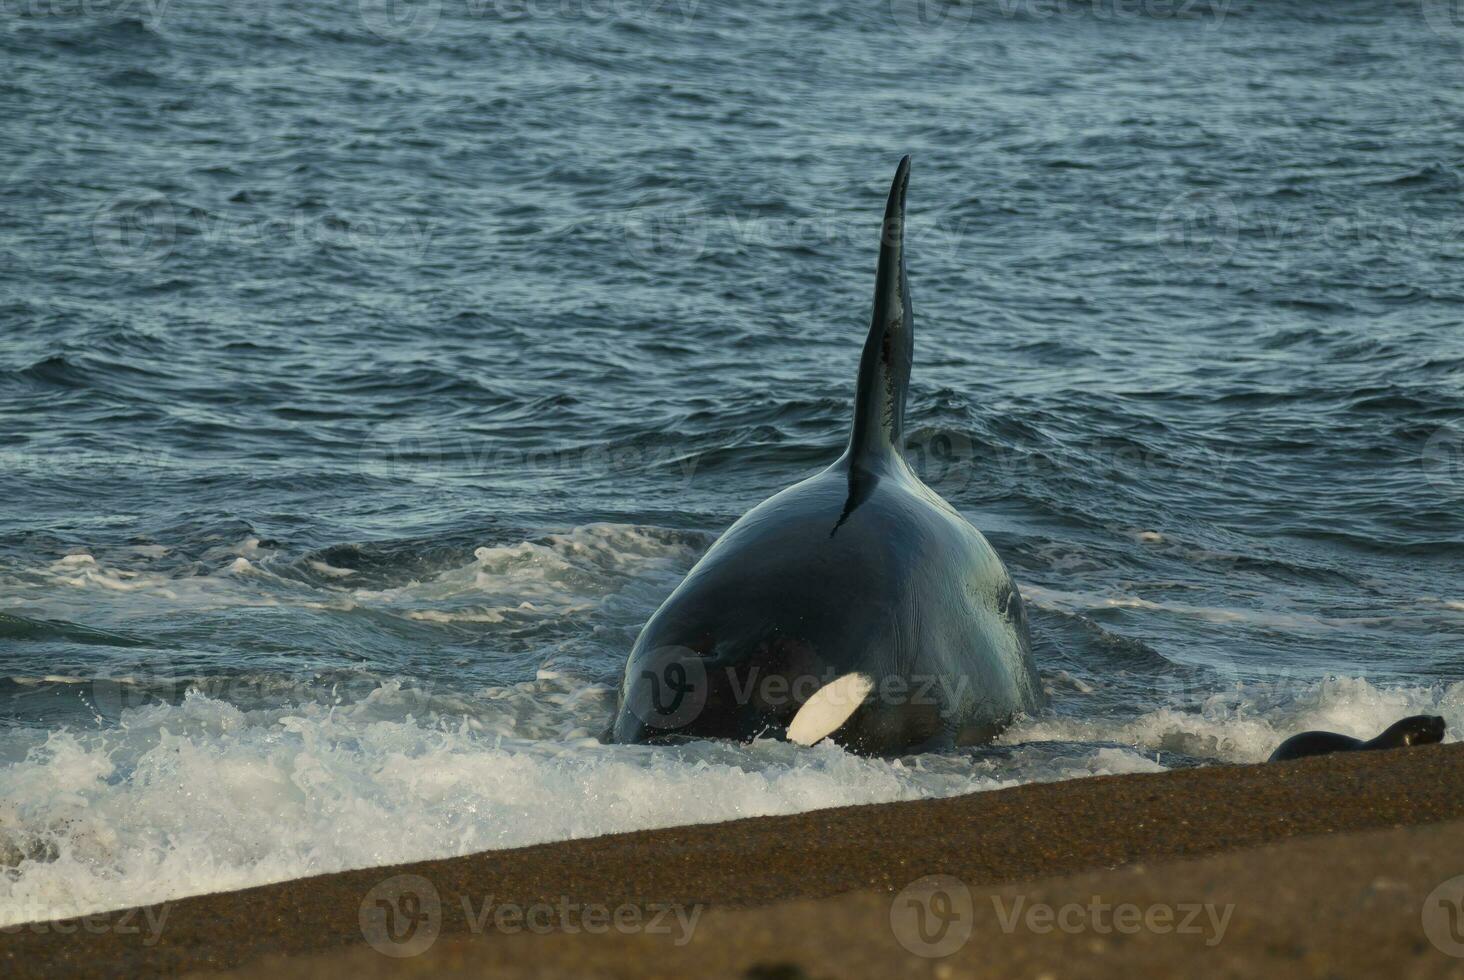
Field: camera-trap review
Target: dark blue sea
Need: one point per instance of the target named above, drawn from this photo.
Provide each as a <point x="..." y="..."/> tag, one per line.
<point x="370" y="371"/>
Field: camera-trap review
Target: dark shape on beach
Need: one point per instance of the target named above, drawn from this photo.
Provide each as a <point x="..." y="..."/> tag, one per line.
<point x="1414" y="730"/>
<point x="857" y="605"/>
<point x="776" y="971"/>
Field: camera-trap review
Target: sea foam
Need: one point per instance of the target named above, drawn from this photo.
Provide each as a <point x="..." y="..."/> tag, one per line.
<point x="200" y="796"/>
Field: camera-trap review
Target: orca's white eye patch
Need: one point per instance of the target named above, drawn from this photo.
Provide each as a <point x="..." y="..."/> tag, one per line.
<point x="828" y="709"/>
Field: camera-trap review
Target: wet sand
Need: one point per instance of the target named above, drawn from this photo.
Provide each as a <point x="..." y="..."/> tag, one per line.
<point x="1326" y="865"/>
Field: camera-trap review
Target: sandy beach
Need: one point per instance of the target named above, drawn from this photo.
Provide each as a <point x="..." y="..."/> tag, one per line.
<point x="1332" y="866"/>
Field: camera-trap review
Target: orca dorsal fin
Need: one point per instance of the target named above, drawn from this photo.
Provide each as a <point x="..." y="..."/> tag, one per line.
<point x="884" y="369"/>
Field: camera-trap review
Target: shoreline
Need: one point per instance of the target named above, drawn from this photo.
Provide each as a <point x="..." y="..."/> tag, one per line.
<point x="833" y="870"/>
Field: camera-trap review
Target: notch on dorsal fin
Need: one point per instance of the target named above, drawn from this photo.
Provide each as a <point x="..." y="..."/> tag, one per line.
<point x="884" y="370"/>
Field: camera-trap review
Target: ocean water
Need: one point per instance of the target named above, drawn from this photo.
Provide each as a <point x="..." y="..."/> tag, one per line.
<point x="370" y="371"/>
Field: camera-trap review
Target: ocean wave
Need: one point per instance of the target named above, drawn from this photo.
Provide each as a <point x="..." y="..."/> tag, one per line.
<point x="21" y="628"/>
<point x="1246" y="722"/>
<point x="149" y="811"/>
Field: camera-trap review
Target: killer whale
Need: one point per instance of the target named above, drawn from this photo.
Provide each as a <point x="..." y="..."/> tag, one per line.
<point x="857" y="605"/>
